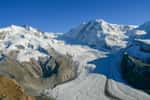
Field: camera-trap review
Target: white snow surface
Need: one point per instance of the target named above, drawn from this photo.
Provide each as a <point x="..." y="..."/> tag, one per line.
<point x="28" y="38"/>
<point x="145" y="41"/>
<point x="102" y="34"/>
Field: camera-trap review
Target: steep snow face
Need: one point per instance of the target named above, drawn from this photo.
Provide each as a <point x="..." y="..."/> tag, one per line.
<point x="145" y="26"/>
<point x="27" y="41"/>
<point x="144" y="29"/>
<point x="101" y="34"/>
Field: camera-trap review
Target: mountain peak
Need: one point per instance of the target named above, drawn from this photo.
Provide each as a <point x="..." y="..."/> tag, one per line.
<point x="145" y="26"/>
<point x="13" y="26"/>
<point x="99" y="32"/>
<point x="100" y="21"/>
<point x="20" y="29"/>
<point x="147" y="22"/>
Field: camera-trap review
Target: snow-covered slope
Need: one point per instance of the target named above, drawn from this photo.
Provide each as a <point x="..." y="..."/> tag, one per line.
<point x="145" y="27"/>
<point x="27" y="41"/>
<point x="101" y="34"/>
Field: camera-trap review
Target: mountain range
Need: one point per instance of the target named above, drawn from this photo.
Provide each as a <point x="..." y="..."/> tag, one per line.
<point x="96" y="60"/>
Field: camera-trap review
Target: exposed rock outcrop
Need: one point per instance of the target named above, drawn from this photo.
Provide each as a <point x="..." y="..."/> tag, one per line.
<point x="11" y="90"/>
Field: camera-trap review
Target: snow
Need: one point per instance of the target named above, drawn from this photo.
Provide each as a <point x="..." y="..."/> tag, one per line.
<point x="99" y="76"/>
<point x="145" y="41"/>
<point x="79" y="90"/>
<point x="90" y="86"/>
<point x="145" y="27"/>
<point x="134" y="51"/>
<point x="81" y="54"/>
<point x="25" y="56"/>
<point x="28" y="38"/>
<point x="100" y="32"/>
<point x="107" y="83"/>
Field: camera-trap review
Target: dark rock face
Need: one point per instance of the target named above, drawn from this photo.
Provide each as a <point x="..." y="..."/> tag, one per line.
<point x="11" y="90"/>
<point x="49" y="66"/>
<point x="136" y="72"/>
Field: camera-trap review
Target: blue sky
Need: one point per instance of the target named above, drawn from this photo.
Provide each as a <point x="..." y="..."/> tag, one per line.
<point x="61" y="15"/>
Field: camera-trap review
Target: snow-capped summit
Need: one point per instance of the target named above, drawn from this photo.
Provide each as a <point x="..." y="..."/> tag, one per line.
<point x="30" y="28"/>
<point x="99" y="33"/>
<point x="14" y="29"/>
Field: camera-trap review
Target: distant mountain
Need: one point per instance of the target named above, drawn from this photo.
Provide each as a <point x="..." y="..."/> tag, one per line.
<point x="99" y="33"/>
<point x="145" y="27"/>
